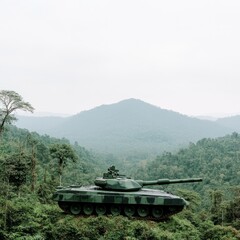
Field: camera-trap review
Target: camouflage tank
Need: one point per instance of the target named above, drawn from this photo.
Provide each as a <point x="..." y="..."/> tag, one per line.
<point x="117" y="194"/>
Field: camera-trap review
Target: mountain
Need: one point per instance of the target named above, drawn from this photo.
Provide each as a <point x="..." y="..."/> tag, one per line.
<point x="230" y="122"/>
<point x="128" y="127"/>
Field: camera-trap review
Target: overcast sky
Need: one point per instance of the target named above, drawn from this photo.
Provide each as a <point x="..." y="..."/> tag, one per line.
<point x="69" y="56"/>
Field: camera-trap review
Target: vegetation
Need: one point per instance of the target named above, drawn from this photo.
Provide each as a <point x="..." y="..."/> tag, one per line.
<point x="217" y="161"/>
<point x="27" y="212"/>
<point x="30" y="167"/>
<point x="62" y="153"/>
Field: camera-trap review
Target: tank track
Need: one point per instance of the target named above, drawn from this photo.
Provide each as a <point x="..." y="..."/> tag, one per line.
<point x="163" y="213"/>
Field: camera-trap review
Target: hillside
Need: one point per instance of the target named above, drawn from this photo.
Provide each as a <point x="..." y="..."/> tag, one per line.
<point x="216" y="160"/>
<point x="29" y="213"/>
<point x="87" y="165"/>
<point x="130" y="127"/>
<point x="230" y="122"/>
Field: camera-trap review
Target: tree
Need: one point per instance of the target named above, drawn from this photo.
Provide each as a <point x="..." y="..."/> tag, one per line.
<point x="11" y="101"/>
<point x="33" y="145"/>
<point x="62" y="153"/>
<point x="17" y="169"/>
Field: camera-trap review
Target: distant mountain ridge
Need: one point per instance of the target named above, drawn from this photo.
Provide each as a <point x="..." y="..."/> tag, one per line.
<point x="127" y="127"/>
<point x="230" y="122"/>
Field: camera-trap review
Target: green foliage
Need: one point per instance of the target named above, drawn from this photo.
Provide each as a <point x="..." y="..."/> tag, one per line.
<point x="192" y="197"/>
<point x="26" y="217"/>
<point x="62" y="153"/>
<point x="220" y="232"/>
<point x="16" y="168"/>
<point x="215" y="160"/>
<point x="25" y="157"/>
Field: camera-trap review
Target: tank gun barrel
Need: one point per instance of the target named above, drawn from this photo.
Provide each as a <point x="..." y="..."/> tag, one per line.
<point x="168" y="181"/>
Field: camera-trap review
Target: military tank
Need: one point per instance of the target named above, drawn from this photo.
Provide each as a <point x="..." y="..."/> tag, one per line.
<point x="117" y="194"/>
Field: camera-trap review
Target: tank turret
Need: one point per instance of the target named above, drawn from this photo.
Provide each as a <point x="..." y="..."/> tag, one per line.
<point x="112" y="180"/>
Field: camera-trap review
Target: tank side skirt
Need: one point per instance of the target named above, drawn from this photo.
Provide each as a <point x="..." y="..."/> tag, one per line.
<point x="119" y="199"/>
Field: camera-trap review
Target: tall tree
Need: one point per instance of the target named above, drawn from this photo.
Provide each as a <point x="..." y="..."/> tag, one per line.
<point x="62" y="153"/>
<point x="11" y="101"/>
<point x="33" y="149"/>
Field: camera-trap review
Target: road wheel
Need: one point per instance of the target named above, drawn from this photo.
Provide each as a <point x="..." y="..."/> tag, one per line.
<point x="88" y="209"/>
<point x="75" y="209"/>
<point x="101" y="209"/>
<point x="115" y="210"/>
<point x="143" y="211"/>
<point x="129" y="210"/>
<point x="157" y="212"/>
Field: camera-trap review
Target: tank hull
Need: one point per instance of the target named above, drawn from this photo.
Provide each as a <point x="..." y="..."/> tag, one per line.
<point x="144" y="203"/>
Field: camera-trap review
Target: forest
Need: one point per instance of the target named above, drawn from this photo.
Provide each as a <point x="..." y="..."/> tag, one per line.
<point x="33" y="165"/>
<point x="30" y="174"/>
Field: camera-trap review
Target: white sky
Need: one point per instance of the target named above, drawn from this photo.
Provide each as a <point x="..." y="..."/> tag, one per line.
<point x="69" y="56"/>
